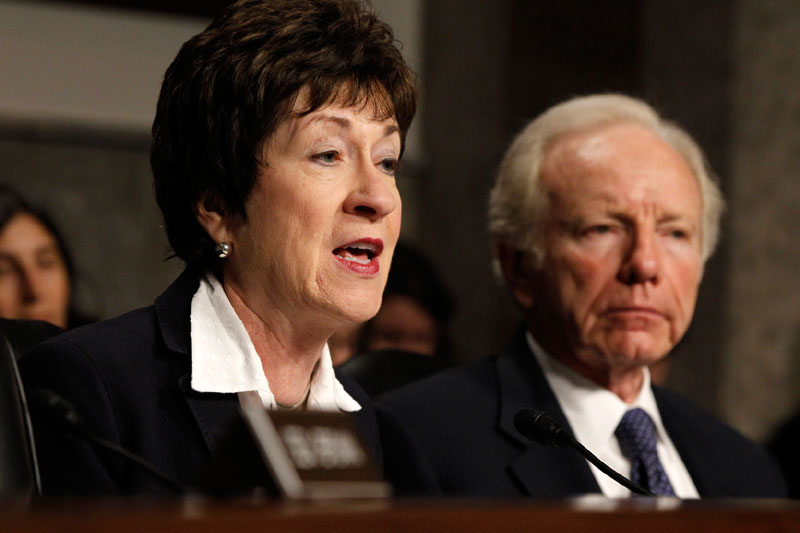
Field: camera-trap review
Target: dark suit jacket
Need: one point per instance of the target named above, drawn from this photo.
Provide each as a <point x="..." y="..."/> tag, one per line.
<point x="453" y="434"/>
<point x="129" y="378"/>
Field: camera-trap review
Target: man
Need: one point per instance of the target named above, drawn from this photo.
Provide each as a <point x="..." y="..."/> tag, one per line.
<point x="603" y="215"/>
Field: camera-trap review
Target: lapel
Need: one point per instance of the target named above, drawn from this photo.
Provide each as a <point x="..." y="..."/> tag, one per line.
<point x="217" y="415"/>
<point x="541" y="471"/>
<point x="697" y="454"/>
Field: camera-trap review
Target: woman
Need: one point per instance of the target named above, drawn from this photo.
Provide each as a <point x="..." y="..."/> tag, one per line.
<point x="36" y="272"/>
<point x="275" y="145"/>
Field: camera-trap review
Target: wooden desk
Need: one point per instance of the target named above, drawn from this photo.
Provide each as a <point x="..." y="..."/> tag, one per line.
<point x="200" y="516"/>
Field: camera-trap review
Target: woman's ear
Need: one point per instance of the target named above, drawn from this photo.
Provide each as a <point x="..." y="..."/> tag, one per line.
<point x="213" y="219"/>
<point x="517" y="273"/>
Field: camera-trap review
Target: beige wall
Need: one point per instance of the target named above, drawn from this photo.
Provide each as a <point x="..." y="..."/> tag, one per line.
<point x="98" y="67"/>
<point x="78" y="88"/>
<point x="762" y="367"/>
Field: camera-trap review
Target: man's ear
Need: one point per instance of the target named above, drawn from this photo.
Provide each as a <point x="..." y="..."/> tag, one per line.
<point x="517" y="273"/>
<point x="213" y="219"/>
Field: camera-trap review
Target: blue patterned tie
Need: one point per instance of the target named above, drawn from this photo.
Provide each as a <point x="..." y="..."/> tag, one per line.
<point x="636" y="434"/>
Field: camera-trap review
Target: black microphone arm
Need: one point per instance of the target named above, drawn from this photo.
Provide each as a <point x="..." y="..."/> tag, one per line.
<point x="540" y="427"/>
<point x="61" y="413"/>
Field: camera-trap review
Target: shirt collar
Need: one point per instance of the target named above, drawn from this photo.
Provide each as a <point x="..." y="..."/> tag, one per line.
<point x="224" y="359"/>
<point x="592" y="411"/>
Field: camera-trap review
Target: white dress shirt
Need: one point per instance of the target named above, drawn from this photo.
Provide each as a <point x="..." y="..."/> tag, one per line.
<point x="594" y="413"/>
<point x="225" y="360"/>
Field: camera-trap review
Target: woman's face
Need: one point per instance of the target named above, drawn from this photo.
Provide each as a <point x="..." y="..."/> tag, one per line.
<point x="34" y="283"/>
<point x="322" y="220"/>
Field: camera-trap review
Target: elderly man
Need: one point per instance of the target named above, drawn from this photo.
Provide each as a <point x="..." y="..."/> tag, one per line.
<point x="603" y="215"/>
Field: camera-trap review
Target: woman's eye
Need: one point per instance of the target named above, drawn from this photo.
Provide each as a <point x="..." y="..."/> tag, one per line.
<point x="389" y="165"/>
<point x="327" y="158"/>
<point x="48" y="259"/>
<point x="48" y="262"/>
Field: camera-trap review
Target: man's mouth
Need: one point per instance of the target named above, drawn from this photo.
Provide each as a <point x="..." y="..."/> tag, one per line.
<point x="361" y="252"/>
<point x="632" y="309"/>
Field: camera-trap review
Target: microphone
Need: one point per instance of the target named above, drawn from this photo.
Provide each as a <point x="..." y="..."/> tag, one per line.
<point x="60" y="413"/>
<point x="540" y="427"/>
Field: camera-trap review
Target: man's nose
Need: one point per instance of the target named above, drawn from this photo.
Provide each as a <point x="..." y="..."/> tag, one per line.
<point x="374" y="195"/>
<point x="642" y="261"/>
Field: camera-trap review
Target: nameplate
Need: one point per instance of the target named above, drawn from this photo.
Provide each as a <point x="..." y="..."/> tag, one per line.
<point x="315" y="454"/>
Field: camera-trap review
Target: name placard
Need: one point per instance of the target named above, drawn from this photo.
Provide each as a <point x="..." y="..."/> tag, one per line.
<point x="315" y="454"/>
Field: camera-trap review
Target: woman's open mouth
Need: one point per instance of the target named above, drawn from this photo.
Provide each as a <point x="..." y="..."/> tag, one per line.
<point x="360" y="255"/>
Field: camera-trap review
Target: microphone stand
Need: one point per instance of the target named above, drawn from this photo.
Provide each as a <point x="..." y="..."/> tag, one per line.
<point x="61" y="413"/>
<point x="604" y="468"/>
<point x="148" y="467"/>
<point x="538" y="426"/>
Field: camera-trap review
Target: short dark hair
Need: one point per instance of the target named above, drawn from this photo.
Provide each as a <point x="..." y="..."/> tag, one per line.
<point x="231" y="85"/>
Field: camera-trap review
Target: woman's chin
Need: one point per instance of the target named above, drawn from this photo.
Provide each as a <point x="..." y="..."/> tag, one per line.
<point x="357" y="310"/>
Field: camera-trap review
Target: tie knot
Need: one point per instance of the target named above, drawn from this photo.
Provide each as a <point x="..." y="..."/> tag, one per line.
<point x="636" y="433"/>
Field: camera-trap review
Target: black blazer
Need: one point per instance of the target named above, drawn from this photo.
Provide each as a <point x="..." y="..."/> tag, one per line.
<point x="129" y="378"/>
<point x="453" y="434"/>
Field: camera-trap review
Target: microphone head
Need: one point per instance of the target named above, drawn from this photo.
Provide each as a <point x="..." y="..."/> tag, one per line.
<point x="540" y="427"/>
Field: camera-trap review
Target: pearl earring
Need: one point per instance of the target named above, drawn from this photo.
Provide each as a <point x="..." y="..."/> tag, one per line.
<point x="223" y="249"/>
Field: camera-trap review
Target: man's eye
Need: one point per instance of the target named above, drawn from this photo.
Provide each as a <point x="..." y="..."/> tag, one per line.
<point x="390" y="165"/>
<point x="327" y="158"/>
<point x="677" y="233"/>
<point x="599" y="229"/>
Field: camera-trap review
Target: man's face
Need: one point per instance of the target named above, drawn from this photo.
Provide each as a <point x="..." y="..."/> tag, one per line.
<point x="622" y="259"/>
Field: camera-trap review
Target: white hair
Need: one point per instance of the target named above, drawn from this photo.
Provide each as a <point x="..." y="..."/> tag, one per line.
<point x="517" y="203"/>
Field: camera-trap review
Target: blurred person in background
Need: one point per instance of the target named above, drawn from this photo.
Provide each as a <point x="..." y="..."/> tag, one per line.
<point x="413" y="317"/>
<point x="408" y="338"/>
<point x="416" y="309"/>
<point x="36" y="269"/>
<point x="784" y="443"/>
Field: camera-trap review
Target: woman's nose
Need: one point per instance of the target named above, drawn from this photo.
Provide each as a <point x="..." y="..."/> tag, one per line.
<point x="374" y="194"/>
